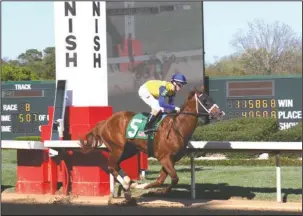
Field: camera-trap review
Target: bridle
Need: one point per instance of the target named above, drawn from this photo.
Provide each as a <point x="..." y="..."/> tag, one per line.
<point x="201" y="104"/>
<point x="197" y="113"/>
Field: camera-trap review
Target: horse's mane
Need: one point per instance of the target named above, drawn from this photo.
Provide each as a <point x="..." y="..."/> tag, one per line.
<point x="189" y="96"/>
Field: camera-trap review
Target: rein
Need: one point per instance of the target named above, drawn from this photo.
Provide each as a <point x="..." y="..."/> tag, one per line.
<point x="182" y="113"/>
<point x="197" y="114"/>
<point x="187" y="113"/>
<point x="174" y="125"/>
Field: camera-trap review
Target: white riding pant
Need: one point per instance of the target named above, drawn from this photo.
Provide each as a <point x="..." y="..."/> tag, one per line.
<point x="148" y="98"/>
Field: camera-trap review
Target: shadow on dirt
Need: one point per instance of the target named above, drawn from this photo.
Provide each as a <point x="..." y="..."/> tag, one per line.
<point x="4" y="187"/>
<point x="221" y="192"/>
<point x="65" y="209"/>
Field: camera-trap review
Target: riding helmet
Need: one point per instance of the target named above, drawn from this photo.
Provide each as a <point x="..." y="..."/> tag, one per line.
<point x="180" y="78"/>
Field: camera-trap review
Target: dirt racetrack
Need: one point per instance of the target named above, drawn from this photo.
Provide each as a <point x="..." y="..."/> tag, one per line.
<point x="22" y="204"/>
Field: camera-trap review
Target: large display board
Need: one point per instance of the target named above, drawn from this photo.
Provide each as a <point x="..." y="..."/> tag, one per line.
<point x="24" y="107"/>
<point x="267" y="96"/>
<point x="24" y="104"/>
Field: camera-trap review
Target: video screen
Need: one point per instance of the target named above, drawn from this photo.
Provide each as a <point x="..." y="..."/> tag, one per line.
<point x="151" y="40"/>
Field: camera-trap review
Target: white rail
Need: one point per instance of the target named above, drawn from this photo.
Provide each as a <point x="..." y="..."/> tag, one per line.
<point x="14" y="144"/>
<point x="264" y="147"/>
<point x="193" y="146"/>
<point x="180" y="54"/>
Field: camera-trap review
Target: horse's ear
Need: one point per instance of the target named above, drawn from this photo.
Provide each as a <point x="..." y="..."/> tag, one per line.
<point x="202" y="89"/>
<point x="192" y="92"/>
<point x="195" y="89"/>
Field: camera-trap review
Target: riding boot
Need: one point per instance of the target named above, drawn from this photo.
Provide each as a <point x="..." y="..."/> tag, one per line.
<point x="150" y="122"/>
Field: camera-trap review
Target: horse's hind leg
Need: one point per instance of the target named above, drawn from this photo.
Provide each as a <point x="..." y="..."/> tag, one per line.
<point x="160" y="180"/>
<point x="119" y="175"/>
<point x="168" y="164"/>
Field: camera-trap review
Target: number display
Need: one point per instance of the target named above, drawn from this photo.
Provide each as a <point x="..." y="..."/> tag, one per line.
<point x="264" y="114"/>
<point x="25" y="107"/>
<point x="252" y="104"/>
<point x="250" y="108"/>
<point x="8" y="93"/>
<point x="29" y="117"/>
<point x="252" y="114"/>
<point x="17" y="129"/>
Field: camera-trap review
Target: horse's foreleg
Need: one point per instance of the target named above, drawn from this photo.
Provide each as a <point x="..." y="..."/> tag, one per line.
<point x="168" y="164"/>
<point x="160" y="180"/>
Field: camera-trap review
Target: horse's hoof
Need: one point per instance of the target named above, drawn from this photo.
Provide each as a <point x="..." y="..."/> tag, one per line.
<point x="160" y="192"/>
<point x="134" y="185"/>
<point x="116" y="201"/>
<point x="128" y="195"/>
<point x="140" y="186"/>
<point x="130" y="202"/>
<point x="110" y="201"/>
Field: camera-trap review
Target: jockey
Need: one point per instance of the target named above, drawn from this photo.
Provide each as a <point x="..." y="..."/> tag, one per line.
<point x="154" y="92"/>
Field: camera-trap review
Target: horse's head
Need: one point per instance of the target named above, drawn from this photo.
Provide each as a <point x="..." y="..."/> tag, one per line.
<point x="203" y="104"/>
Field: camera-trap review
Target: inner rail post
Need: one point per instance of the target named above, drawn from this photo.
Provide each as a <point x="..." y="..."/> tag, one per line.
<point x="193" y="177"/>
<point x="278" y="176"/>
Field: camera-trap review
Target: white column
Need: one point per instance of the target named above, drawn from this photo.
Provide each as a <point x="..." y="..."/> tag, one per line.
<point x="81" y="54"/>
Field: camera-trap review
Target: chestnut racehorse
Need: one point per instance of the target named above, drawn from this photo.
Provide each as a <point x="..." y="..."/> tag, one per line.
<point x="170" y="139"/>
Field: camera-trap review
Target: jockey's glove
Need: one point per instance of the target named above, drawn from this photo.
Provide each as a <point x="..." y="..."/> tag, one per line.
<point x="177" y="109"/>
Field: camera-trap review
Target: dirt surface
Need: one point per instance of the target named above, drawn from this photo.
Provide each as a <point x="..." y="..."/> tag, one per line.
<point x="24" y="204"/>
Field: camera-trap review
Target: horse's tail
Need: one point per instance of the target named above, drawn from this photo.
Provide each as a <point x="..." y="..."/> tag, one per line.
<point x="93" y="140"/>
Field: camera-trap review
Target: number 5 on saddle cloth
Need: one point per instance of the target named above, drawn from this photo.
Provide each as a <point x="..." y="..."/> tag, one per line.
<point x="135" y="128"/>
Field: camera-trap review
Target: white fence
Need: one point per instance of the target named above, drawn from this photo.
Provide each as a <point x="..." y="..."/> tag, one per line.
<point x="194" y="146"/>
<point x="261" y="147"/>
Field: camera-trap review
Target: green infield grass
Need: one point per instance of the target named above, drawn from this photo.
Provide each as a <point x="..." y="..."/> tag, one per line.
<point x="212" y="182"/>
